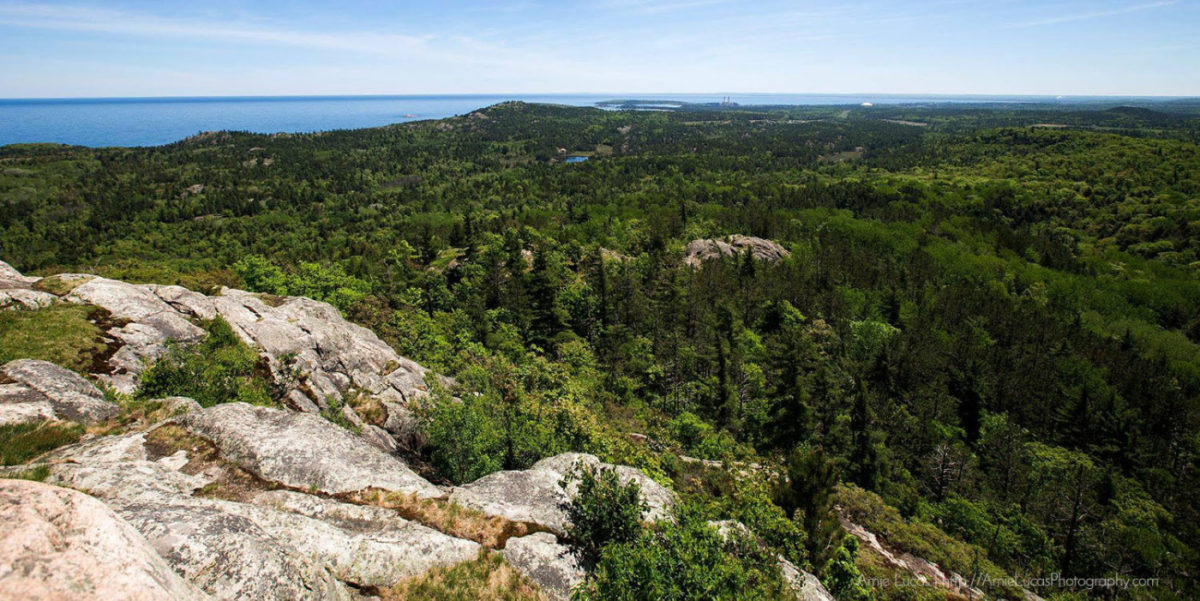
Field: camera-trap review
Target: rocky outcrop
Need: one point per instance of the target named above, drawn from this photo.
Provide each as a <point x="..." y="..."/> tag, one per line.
<point x="33" y="390"/>
<point x="804" y="585"/>
<point x="11" y="278"/>
<point x="546" y="562"/>
<point x="310" y="340"/>
<point x="705" y="249"/>
<point x="302" y="451"/>
<point x="243" y="502"/>
<point x="58" y="544"/>
<point x="537" y="495"/>
<point x="309" y="346"/>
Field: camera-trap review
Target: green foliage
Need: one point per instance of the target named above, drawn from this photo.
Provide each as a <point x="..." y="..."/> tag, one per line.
<point x="808" y="496"/>
<point x="698" y="438"/>
<point x="21" y="442"/>
<point x="333" y="412"/>
<point x="603" y="511"/>
<point x="329" y="284"/>
<point x="218" y="369"/>
<point x="61" y="334"/>
<point x="920" y="538"/>
<point x="842" y="577"/>
<point x="509" y="416"/>
<point x="683" y="559"/>
<point x="465" y="443"/>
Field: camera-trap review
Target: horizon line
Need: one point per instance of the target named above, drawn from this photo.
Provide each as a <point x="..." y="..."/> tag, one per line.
<point x="613" y="95"/>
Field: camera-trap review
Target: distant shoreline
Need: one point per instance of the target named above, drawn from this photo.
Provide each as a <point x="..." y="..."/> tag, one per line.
<point x="155" y="121"/>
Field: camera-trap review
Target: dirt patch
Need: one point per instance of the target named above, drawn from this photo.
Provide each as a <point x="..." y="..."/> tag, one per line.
<point x="230" y="482"/>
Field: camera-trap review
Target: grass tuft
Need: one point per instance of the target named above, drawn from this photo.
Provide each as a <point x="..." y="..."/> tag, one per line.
<point x="61" y="334"/>
<point x="21" y="442"/>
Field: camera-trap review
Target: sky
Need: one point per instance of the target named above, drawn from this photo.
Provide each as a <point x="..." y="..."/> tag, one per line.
<point x="301" y="47"/>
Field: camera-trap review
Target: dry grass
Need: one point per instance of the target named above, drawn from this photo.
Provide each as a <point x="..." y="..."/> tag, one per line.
<point x="369" y="408"/>
<point x="488" y="578"/>
<point x="490" y="531"/>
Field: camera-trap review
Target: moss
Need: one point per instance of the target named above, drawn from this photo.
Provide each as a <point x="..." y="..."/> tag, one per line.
<point x="232" y="483"/>
<point x="62" y="334"/>
<point x="58" y="285"/>
<point x="21" y="442"/>
<point x="488" y="577"/>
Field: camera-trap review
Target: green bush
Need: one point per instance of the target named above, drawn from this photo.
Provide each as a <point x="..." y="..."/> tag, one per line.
<point x="21" y="442"/>
<point x="329" y="284"/>
<point x="509" y="417"/>
<point x="684" y="559"/>
<point x="219" y="369"/>
<point x="698" y="437"/>
<point x="463" y="439"/>
<point x="603" y="511"/>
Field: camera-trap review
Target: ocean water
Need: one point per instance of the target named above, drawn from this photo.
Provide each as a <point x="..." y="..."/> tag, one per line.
<point x="156" y="121"/>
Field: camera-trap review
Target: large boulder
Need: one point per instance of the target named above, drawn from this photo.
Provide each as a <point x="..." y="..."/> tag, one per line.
<point x="32" y="390"/>
<point x="547" y="562"/>
<point x="23" y="298"/>
<point x="302" y="451"/>
<point x="58" y="544"/>
<point x="536" y="495"/>
<point x="269" y="544"/>
<point x="364" y="545"/>
<point x="226" y="554"/>
<point x="804" y="585"/>
<point x="11" y="278"/>
<point x="701" y="250"/>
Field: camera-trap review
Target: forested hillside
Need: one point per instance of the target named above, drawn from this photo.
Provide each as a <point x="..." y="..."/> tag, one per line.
<point x="982" y="342"/>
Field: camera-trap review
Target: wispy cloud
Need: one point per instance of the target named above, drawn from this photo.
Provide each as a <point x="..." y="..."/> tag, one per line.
<point x="1085" y="16"/>
<point x="76" y="18"/>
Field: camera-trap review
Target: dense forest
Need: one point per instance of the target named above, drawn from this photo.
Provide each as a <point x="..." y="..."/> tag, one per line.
<point x="983" y="343"/>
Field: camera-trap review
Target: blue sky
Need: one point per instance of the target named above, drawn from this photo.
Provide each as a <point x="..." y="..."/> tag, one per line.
<point x="232" y="47"/>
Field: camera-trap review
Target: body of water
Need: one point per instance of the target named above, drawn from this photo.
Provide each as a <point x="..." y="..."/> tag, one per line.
<point x="155" y="121"/>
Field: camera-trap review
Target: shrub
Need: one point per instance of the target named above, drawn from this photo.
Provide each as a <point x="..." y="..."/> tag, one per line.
<point x="603" y="511"/>
<point x="698" y="437"/>
<point x="464" y="441"/>
<point x="220" y="369"/>
<point x="329" y="284"/>
<point x="686" y="559"/>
